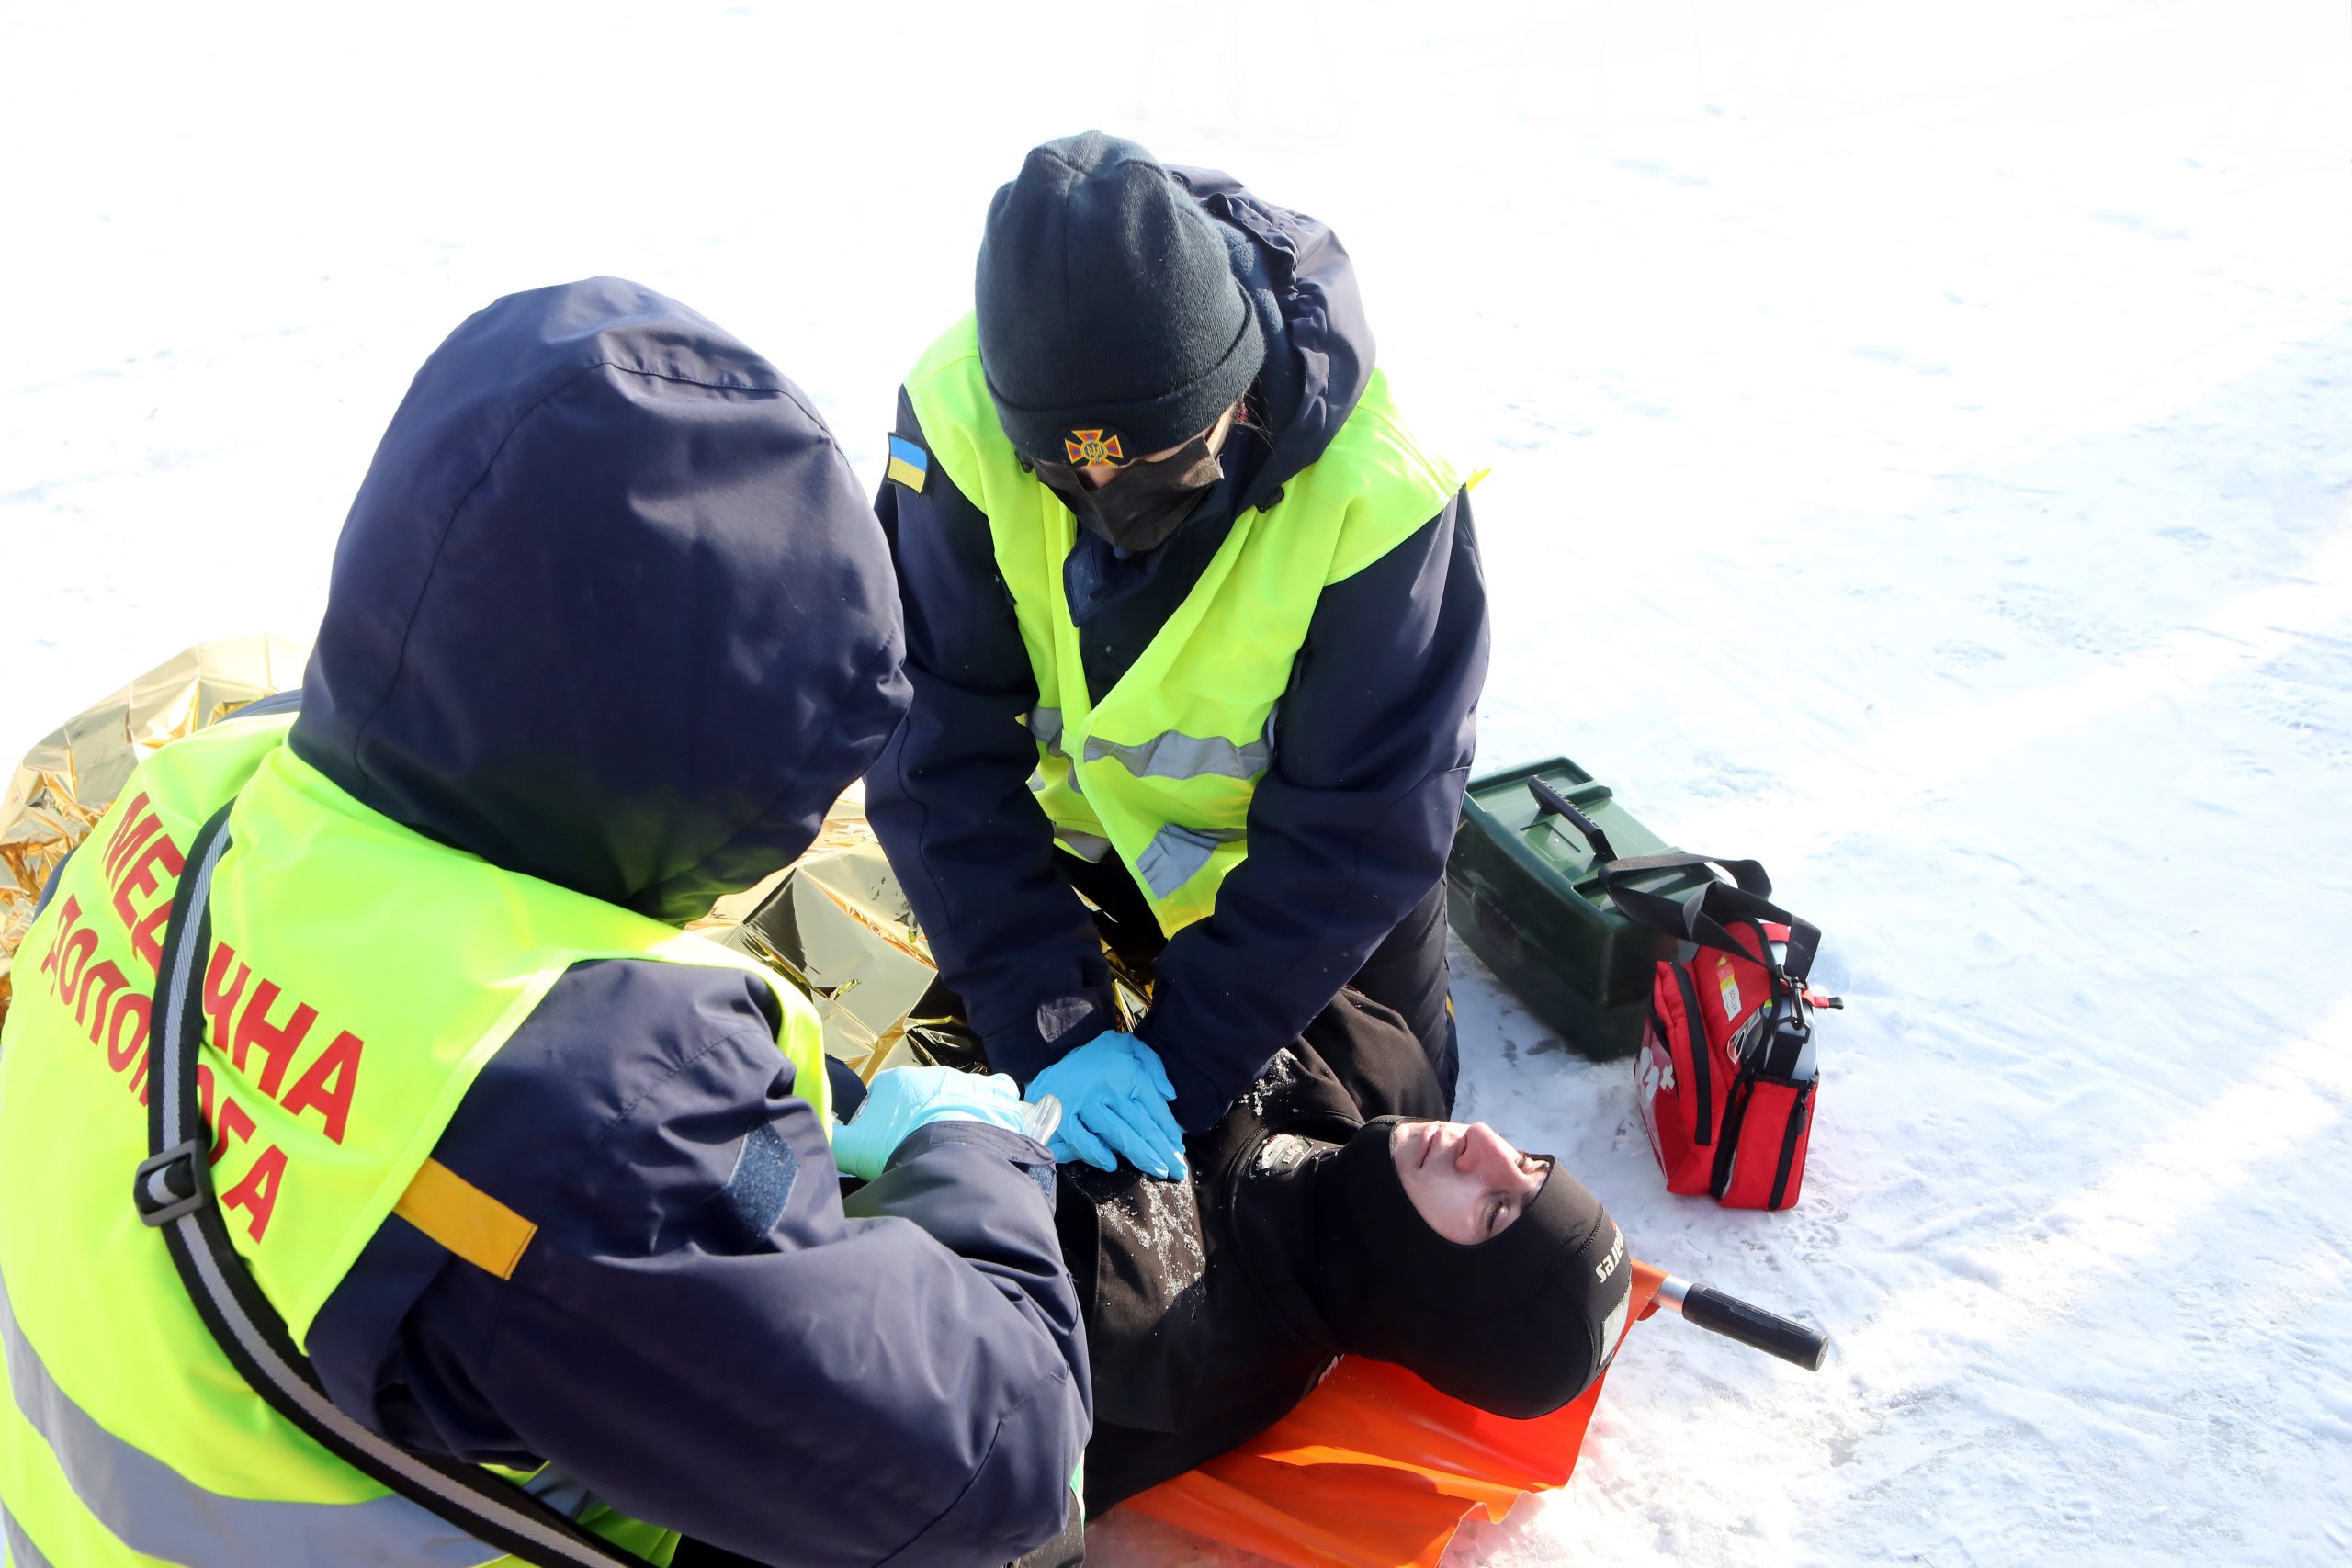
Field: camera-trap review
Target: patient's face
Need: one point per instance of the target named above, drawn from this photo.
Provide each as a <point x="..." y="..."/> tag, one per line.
<point x="1466" y="1182"/>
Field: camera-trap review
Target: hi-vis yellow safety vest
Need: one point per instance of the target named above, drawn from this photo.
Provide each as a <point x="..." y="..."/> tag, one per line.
<point x="359" y="975"/>
<point x="1162" y="770"/>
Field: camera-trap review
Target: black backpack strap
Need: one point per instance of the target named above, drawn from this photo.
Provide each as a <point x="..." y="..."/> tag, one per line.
<point x="1804" y="937"/>
<point x="1699" y="917"/>
<point x="1704" y="916"/>
<point x="174" y="1193"/>
<point x="1748" y="876"/>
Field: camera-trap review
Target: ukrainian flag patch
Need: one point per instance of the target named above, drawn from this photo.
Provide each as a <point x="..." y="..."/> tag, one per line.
<point x="910" y="464"/>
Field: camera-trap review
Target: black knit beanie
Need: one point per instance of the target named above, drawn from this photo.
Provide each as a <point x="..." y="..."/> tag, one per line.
<point x="1108" y="303"/>
<point x="1518" y="1324"/>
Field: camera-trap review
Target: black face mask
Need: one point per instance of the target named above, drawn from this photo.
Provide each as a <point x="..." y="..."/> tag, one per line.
<point x="1145" y="502"/>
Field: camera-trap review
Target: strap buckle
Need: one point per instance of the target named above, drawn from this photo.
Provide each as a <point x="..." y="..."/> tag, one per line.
<point x="177" y="1182"/>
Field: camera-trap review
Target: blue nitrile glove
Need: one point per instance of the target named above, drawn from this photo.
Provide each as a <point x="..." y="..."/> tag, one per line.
<point x="903" y="1098"/>
<point x="1115" y="1098"/>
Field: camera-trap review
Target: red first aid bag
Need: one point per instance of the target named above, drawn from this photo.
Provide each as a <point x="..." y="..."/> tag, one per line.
<point x="1725" y="1079"/>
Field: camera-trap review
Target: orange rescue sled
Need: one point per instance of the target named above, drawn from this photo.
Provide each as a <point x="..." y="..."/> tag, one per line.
<point x="1375" y="1469"/>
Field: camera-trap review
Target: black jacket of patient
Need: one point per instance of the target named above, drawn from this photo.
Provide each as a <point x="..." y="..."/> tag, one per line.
<point x="1214" y="1307"/>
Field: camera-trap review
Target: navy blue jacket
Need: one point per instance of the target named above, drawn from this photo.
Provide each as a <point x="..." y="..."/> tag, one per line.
<point x="611" y="610"/>
<point x="1349" y="828"/>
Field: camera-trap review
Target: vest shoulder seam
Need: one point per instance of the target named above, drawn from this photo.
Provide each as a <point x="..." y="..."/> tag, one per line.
<point x="1402" y="439"/>
<point x="940" y="357"/>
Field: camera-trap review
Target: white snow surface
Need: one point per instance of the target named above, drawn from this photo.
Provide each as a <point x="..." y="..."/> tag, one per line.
<point x="1921" y="455"/>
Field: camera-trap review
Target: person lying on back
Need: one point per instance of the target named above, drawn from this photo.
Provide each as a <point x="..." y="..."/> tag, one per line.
<point x="1329" y="1212"/>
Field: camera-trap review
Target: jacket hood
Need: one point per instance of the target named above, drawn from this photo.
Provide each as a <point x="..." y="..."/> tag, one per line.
<point x="610" y="608"/>
<point x="1318" y="341"/>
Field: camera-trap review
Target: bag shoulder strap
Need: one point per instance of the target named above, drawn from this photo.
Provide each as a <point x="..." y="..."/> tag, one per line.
<point x="172" y="1193"/>
<point x="1699" y="917"/>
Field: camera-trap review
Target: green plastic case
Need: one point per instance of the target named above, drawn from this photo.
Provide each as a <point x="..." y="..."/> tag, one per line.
<point x="1523" y="893"/>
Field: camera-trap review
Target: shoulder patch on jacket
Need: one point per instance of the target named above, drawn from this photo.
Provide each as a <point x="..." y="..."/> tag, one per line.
<point x="910" y="464"/>
<point x="753" y="1199"/>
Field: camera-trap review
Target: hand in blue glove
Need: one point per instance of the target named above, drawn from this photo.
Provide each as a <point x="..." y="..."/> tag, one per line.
<point x="903" y="1098"/>
<point x="1115" y="1098"/>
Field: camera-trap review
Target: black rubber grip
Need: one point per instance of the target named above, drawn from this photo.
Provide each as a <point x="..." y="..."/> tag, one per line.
<point x="1755" y="1327"/>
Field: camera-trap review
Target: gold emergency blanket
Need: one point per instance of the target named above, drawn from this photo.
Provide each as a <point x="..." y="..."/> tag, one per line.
<point x="67" y="780"/>
<point x="835" y="923"/>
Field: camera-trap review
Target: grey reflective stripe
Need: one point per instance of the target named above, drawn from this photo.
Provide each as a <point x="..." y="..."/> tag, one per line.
<point x="1038" y="782"/>
<point x="564" y="1494"/>
<point x="22" y="1552"/>
<point x="1173" y="754"/>
<point x="521" y="1517"/>
<point x="1085" y="846"/>
<point x="1045" y="724"/>
<point x="1175" y="855"/>
<point x="154" y="1509"/>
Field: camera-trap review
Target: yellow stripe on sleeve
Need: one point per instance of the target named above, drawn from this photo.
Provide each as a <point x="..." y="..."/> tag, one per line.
<point x="466" y="1220"/>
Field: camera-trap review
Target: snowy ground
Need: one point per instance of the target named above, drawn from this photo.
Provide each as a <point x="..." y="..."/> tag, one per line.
<point x="1922" y="451"/>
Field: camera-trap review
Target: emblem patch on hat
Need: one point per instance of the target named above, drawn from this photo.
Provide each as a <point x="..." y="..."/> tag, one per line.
<point x="1085" y="446"/>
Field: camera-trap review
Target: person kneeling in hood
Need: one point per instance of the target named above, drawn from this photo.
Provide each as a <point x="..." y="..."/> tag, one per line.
<point x="534" y="1180"/>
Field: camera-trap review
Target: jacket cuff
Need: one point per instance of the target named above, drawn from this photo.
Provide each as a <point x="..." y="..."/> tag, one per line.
<point x="1021" y="1151"/>
<point x="1202" y="1096"/>
<point x="1057" y="1026"/>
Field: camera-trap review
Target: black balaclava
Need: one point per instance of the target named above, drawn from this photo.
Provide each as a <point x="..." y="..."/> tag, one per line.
<point x="1518" y="1324"/>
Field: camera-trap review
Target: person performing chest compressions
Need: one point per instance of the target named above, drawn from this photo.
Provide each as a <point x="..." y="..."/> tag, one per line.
<point x="1195" y="629"/>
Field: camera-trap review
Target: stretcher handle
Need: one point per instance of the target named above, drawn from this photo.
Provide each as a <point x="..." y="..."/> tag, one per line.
<point x="1750" y="1324"/>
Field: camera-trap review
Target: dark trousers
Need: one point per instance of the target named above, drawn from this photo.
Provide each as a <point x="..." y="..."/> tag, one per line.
<point x="1407" y="971"/>
<point x="1066" y="1550"/>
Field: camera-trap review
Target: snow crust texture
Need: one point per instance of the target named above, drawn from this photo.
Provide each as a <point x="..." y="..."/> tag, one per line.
<point x="1921" y="453"/>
